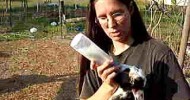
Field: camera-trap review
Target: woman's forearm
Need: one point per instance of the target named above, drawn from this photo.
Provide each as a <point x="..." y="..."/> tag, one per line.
<point x="104" y="92"/>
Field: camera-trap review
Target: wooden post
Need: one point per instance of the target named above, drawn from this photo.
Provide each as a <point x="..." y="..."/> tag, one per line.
<point x="10" y="12"/>
<point x="61" y="15"/>
<point x="185" y="35"/>
<point x="37" y="6"/>
<point x="7" y="5"/>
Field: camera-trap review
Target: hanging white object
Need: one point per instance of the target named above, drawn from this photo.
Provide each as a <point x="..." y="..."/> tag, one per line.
<point x="175" y="2"/>
<point x="182" y="2"/>
<point x="33" y="30"/>
<point x="53" y="24"/>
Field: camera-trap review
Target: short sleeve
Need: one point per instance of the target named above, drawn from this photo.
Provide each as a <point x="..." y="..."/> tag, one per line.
<point x="90" y="85"/>
<point x="175" y="85"/>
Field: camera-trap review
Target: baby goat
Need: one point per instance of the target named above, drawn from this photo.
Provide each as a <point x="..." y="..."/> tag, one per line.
<point x="131" y="82"/>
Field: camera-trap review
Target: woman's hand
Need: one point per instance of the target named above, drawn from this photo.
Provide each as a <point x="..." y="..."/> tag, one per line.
<point x="106" y="72"/>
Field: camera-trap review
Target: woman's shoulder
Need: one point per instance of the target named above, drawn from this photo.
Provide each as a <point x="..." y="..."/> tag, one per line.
<point x="158" y="46"/>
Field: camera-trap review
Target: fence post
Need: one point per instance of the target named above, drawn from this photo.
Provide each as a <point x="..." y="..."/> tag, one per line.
<point x="185" y="35"/>
<point x="10" y="12"/>
<point x="61" y="15"/>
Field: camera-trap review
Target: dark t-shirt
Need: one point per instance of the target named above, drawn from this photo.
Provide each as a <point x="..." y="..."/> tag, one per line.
<point x="165" y="80"/>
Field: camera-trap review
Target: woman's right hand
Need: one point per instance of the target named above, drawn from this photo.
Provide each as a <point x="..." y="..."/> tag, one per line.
<point x="106" y="72"/>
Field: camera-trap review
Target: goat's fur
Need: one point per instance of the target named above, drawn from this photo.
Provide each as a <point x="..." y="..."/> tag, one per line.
<point x="131" y="82"/>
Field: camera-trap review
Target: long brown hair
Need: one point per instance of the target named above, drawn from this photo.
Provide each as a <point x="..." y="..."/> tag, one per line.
<point x="98" y="36"/>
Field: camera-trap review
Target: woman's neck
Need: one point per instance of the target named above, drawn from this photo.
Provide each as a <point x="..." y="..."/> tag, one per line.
<point x="119" y="47"/>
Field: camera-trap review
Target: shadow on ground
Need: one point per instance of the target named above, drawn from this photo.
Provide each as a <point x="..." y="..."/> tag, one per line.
<point x="70" y="84"/>
<point x="5" y="54"/>
<point x="18" y="82"/>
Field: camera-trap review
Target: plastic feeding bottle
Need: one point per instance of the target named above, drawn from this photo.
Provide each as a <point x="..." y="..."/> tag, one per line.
<point x="89" y="49"/>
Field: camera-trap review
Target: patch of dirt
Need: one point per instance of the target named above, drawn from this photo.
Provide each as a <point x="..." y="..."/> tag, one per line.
<point x="45" y="69"/>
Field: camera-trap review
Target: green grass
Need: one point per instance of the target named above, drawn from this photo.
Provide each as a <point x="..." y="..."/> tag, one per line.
<point x="32" y="3"/>
<point x="21" y="26"/>
<point x="14" y="36"/>
<point x="169" y="28"/>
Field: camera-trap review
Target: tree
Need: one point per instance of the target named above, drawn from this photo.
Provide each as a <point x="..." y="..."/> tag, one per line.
<point x="24" y="6"/>
<point x="10" y="12"/>
<point x="6" y="3"/>
<point x="185" y="35"/>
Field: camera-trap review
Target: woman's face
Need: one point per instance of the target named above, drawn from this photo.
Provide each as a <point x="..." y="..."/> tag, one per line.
<point x="114" y="18"/>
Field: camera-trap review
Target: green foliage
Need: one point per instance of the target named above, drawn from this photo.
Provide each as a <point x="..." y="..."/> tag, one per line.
<point x="21" y="29"/>
<point x="14" y="36"/>
<point x="79" y="2"/>
<point x="75" y="27"/>
<point x="173" y="2"/>
<point x="187" y="73"/>
<point x="40" y="23"/>
<point x="141" y="4"/>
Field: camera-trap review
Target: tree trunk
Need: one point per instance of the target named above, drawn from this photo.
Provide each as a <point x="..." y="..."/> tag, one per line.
<point x="10" y="16"/>
<point x="7" y="5"/>
<point x="185" y="35"/>
<point x="37" y="7"/>
<point x="24" y="6"/>
<point x="61" y="15"/>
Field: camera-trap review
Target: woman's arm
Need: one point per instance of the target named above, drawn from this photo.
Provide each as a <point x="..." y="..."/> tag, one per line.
<point x="106" y="72"/>
<point x="104" y="92"/>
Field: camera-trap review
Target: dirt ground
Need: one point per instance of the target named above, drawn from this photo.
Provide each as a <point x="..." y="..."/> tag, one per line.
<point x="45" y="69"/>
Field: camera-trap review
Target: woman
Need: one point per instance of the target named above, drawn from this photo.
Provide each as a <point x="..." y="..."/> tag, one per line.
<point x="117" y="27"/>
